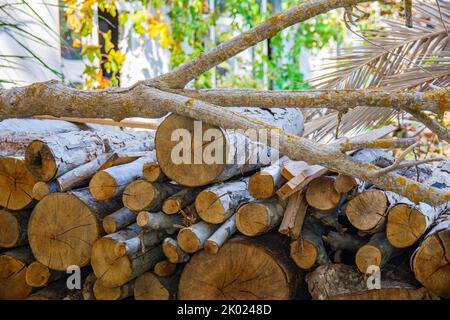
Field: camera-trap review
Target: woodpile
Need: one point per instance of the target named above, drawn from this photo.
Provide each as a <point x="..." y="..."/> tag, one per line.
<point x="112" y="203"/>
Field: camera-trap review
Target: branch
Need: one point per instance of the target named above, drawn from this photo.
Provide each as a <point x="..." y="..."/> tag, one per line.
<point x="348" y="145"/>
<point x="431" y="124"/>
<point x="179" y="77"/>
<point x="339" y="100"/>
<point x="406" y="165"/>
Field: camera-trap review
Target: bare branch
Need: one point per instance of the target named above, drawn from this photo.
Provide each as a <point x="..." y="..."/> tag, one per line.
<point x="406" y="165"/>
<point x="192" y="69"/>
<point x="431" y="124"/>
<point x="348" y="145"/>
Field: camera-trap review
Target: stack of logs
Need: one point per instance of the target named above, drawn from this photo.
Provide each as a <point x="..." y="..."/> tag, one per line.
<point x="114" y="204"/>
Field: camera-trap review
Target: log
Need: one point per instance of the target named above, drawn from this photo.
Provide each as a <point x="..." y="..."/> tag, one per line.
<point x="165" y="268"/>
<point x="255" y="218"/>
<point x="50" y="157"/>
<point x="13" y="267"/>
<point x="16" y="184"/>
<point x="248" y="262"/>
<point x="39" y="275"/>
<point x="140" y="243"/>
<point x="264" y="184"/>
<point x="321" y="193"/>
<point x="149" y="286"/>
<point x="309" y="251"/>
<point x="64" y="226"/>
<point x="377" y="252"/>
<point x="117" y="293"/>
<point x="343" y="282"/>
<point x="217" y="203"/>
<point x="345" y="183"/>
<point x="344" y="241"/>
<point x="16" y="134"/>
<point x="87" y="290"/>
<point x="118" y="220"/>
<point x="294" y="216"/>
<point x="142" y="195"/>
<point x="198" y="169"/>
<point x="42" y="189"/>
<point x="54" y="291"/>
<point x="300" y="181"/>
<point x="158" y="220"/>
<point x="114" y="270"/>
<point x="180" y="200"/>
<point x="221" y="235"/>
<point x="368" y="210"/>
<point x="191" y="239"/>
<point x="152" y="172"/>
<point x="430" y="262"/>
<point x="291" y="169"/>
<point x="112" y="181"/>
<point x="13" y="228"/>
<point x="173" y="252"/>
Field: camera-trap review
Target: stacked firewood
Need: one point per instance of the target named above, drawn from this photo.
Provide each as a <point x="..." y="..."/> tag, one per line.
<point x="114" y="204"/>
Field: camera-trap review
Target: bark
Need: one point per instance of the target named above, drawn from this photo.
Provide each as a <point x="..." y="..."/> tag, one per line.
<point x="247" y="263"/>
<point x="16" y="184"/>
<point x="149" y="286"/>
<point x="180" y="200"/>
<point x="39" y="275"/>
<point x="173" y="252"/>
<point x="141" y="242"/>
<point x="234" y="153"/>
<point x="258" y="217"/>
<point x="430" y="261"/>
<point x="54" y="291"/>
<point x="221" y="235"/>
<point x="191" y="239"/>
<point x="321" y="193"/>
<point x="294" y="216"/>
<point x="344" y="241"/>
<point x="343" y="282"/>
<point x="13" y="228"/>
<point x="142" y="195"/>
<point x="112" y="181"/>
<point x="158" y="220"/>
<point x="64" y="226"/>
<point x="118" y="220"/>
<point x="13" y="267"/>
<point x="165" y="268"/>
<point x="263" y="184"/>
<point x="217" y="203"/>
<point x="117" y="293"/>
<point x="152" y="172"/>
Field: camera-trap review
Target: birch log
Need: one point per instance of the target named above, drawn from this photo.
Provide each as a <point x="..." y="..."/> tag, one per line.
<point x="264" y="184"/>
<point x="118" y="220"/>
<point x="42" y="189"/>
<point x="228" y="152"/>
<point x="149" y="286"/>
<point x="191" y="239"/>
<point x="13" y="267"/>
<point x="116" y="293"/>
<point x="165" y="268"/>
<point x="13" y="228"/>
<point x="152" y="172"/>
<point x="64" y="226"/>
<point x="180" y="200"/>
<point x="173" y="252"/>
<point x="39" y="275"/>
<point x="321" y="193"/>
<point x="221" y="235"/>
<point x="158" y="220"/>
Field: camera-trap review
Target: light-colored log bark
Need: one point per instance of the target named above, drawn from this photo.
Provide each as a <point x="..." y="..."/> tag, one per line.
<point x="264" y="184"/>
<point x="180" y="200"/>
<point x="153" y="173"/>
<point x="294" y="216"/>
<point x="165" y="268"/>
<point x="139" y="243"/>
<point x="108" y="122"/>
<point x="87" y="290"/>
<point x="377" y="252"/>
<point x="431" y="260"/>
<point x="118" y="220"/>
<point x="64" y="226"/>
<point x="112" y="181"/>
<point x="343" y="282"/>
<point x="300" y="181"/>
<point x="16" y="184"/>
<point x="117" y="293"/>
<point x="149" y="286"/>
<point x="13" y="228"/>
<point x="368" y="210"/>
<point x="309" y="251"/>
<point x="42" y="189"/>
<point x="321" y="193"/>
<point x="158" y="220"/>
<point x="142" y="195"/>
<point x="16" y="134"/>
<point x="248" y="263"/>
<point x="235" y="154"/>
<point x="344" y="241"/>
<point x="191" y="239"/>
<point x="258" y="217"/>
<point x="173" y="252"/>
<point x="39" y="275"/>
<point x="217" y="203"/>
<point x="221" y="235"/>
<point x="13" y="267"/>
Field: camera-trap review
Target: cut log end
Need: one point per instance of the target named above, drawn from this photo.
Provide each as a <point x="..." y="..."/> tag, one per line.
<point x="366" y="210"/>
<point x="10" y="229"/>
<point x="188" y="241"/>
<point x="12" y="279"/>
<point x="303" y="253"/>
<point x="367" y="256"/>
<point x="149" y="287"/>
<point x="37" y="274"/>
<point x="103" y="186"/>
<point x="252" y="218"/>
<point x="173" y="252"/>
<point x="40" y="161"/>
<point x="209" y="207"/>
<point x="40" y="190"/>
<point x="211" y="247"/>
<point x="321" y="194"/>
<point x="171" y="206"/>
<point x="405" y="226"/>
<point x="261" y="186"/>
<point x="138" y="195"/>
<point x="165" y="268"/>
<point x="152" y="172"/>
<point x="187" y="174"/>
<point x="344" y="183"/>
<point x="109" y="224"/>
<point x="106" y="293"/>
